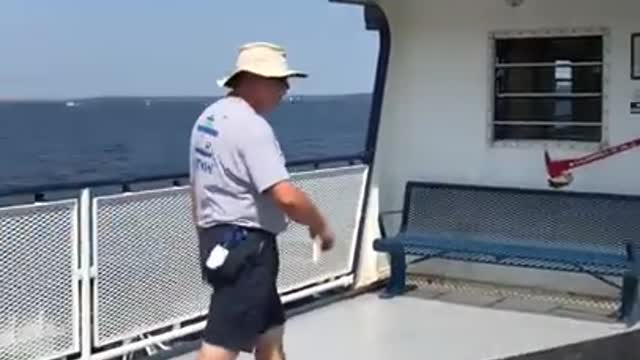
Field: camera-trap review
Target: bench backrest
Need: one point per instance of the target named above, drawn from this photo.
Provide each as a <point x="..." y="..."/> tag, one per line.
<point x="600" y="222"/>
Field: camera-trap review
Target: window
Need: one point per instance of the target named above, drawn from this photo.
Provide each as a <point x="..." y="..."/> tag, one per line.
<point x="548" y="88"/>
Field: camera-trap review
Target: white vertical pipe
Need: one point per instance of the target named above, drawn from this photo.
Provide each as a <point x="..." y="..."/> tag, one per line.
<point x="85" y="270"/>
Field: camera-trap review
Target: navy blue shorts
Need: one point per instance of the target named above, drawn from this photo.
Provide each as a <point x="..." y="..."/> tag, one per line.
<point x="245" y="301"/>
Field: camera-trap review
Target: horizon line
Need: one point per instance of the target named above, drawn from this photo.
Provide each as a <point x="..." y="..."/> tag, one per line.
<point x="80" y="98"/>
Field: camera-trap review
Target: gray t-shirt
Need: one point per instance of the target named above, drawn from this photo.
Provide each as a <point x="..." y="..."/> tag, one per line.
<point x="234" y="157"/>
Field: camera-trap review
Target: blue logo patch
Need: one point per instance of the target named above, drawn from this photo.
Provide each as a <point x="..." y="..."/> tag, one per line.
<point x="207" y="128"/>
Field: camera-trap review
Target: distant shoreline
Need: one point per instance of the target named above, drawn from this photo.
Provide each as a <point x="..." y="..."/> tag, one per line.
<point x="171" y="98"/>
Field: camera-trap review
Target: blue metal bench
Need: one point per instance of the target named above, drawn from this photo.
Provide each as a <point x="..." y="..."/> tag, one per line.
<point x="595" y="234"/>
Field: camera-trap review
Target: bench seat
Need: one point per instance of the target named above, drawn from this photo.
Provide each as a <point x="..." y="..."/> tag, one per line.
<point x="607" y="263"/>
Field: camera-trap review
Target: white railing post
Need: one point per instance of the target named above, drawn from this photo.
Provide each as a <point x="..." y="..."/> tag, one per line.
<point x="85" y="274"/>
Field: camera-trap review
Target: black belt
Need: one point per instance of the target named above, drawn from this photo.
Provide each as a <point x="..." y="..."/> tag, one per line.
<point x="247" y="229"/>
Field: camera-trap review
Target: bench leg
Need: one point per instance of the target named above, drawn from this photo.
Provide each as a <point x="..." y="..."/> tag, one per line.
<point x="397" y="284"/>
<point x="630" y="308"/>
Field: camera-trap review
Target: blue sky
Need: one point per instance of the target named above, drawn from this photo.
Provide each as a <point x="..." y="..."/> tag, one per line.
<point x="74" y="48"/>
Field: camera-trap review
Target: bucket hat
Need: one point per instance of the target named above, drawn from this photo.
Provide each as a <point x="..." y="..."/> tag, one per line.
<point x="263" y="59"/>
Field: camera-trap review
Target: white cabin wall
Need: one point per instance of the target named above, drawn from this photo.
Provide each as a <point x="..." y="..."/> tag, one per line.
<point x="435" y="120"/>
<point x="374" y="265"/>
<point x="435" y="114"/>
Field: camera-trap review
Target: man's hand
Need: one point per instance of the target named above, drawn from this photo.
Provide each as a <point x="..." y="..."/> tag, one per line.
<point x="327" y="237"/>
<point x="297" y="205"/>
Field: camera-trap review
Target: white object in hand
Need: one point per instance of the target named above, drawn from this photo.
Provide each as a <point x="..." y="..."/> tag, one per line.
<point x="316" y="250"/>
<point x="217" y="256"/>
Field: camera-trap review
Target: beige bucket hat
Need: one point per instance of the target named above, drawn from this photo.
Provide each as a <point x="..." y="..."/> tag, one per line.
<point x="264" y="59"/>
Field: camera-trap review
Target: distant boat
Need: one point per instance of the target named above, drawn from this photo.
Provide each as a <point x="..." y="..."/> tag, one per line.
<point x="294" y="99"/>
<point x="71" y="104"/>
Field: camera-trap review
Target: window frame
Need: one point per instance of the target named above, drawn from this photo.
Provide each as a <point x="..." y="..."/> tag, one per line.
<point x="635" y="48"/>
<point x="493" y="36"/>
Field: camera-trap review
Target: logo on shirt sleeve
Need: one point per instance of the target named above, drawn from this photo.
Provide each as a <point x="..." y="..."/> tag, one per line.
<point x="204" y="150"/>
<point x="204" y="160"/>
<point x="207" y="127"/>
<point x="205" y="166"/>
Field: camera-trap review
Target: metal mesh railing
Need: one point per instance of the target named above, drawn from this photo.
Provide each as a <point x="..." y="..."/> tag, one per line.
<point x="338" y="193"/>
<point x="146" y="258"/>
<point x="38" y="287"/>
<point x="146" y="253"/>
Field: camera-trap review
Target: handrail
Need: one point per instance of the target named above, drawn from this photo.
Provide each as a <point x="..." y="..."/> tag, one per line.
<point x="351" y="159"/>
<point x="38" y="190"/>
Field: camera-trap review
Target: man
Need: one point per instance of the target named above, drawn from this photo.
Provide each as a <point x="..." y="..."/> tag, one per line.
<point x="241" y="195"/>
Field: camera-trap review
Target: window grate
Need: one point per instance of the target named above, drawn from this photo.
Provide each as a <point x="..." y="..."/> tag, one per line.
<point x="548" y="88"/>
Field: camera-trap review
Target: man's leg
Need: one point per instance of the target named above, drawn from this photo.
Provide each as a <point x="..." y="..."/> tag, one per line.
<point x="270" y="345"/>
<point x="211" y="352"/>
<point x="234" y="322"/>
<point x="232" y="326"/>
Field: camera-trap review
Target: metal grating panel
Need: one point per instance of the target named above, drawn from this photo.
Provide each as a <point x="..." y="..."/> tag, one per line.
<point x="38" y="296"/>
<point x="146" y="255"/>
<point x="338" y="193"/>
<point x="588" y="222"/>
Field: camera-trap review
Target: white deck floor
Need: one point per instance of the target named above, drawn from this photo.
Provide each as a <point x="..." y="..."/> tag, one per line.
<point x="414" y="328"/>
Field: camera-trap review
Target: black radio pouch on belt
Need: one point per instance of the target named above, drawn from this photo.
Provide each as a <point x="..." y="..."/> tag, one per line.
<point x="243" y="247"/>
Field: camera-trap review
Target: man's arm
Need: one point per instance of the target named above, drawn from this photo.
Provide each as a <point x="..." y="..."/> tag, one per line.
<point x="269" y="175"/>
<point x="297" y="205"/>
<point x="192" y="182"/>
<point x="194" y="215"/>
